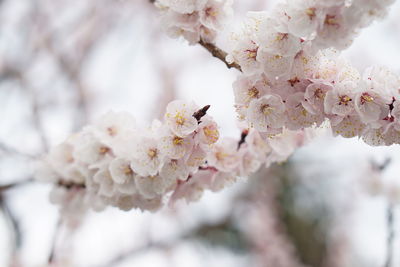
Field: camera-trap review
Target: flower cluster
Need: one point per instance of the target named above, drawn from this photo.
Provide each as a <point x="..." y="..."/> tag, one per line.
<point x="271" y="41"/>
<point x="116" y="163"/>
<point x="291" y="81"/>
<point x="325" y="87"/>
<point x="194" y="20"/>
<point x="230" y="159"/>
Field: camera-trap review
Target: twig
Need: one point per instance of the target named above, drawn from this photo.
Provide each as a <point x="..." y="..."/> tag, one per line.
<point x="54" y="242"/>
<point x="391" y="235"/>
<point x="131" y="253"/>
<point x="13" y="185"/>
<point x="11" y="150"/>
<point x="220" y="54"/>
<point x="216" y="51"/>
<point x="201" y="113"/>
<point x="243" y="136"/>
<point x="13" y="222"/>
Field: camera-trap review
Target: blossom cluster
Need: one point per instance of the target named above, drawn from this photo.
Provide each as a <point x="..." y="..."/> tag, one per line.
<point x="271" y="41"/>
<point x="230" y="159"/>
<point x="116" y="163"/>
<point x="194" y="20"/>
<point x="293" y="80"/>
<point x="326" y="88"/>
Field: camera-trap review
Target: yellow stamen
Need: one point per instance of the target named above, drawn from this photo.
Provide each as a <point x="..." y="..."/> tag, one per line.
<point x="177" y="140"/>
<point x="152" y="153"/>
<point x="266" y="109"/>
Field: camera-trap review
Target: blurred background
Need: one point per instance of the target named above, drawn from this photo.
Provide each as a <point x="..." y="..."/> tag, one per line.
<point x="63" y="63"/>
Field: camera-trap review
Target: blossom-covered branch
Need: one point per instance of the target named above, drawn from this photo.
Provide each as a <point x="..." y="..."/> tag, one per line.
<point x="115" y="162"/>
<point x="198" y="22"/>
<point x="294" y="79"/>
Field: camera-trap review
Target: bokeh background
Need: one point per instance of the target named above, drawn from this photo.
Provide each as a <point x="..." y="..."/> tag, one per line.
<point x="63" y="63"/>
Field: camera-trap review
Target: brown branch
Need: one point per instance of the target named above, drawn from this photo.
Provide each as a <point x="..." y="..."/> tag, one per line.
<point x="243" y="138"/>
<point x="220" y="54"/>
<point x="201" y="113"/>
<point x="69" y="185"/>
<point x="215" y="51"/>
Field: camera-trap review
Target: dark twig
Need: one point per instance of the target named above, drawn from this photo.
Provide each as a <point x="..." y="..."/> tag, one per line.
<point x="220" y="54"/>
<point x="391" y="235"/>
<point x="243" y="138"/>
<point x="201" y="113"/>
<point x="54" y="242"/>
<point x="13" y="223"/>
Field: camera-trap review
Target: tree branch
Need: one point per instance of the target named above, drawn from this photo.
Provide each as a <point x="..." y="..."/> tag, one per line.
<point x="11" y="150"/>
<point x="136" y="251"/>
<point x="391" y="235"/>
<point x="52" y="255"/>
<point x="13" y="185"/>
<point x="220" y="54"/>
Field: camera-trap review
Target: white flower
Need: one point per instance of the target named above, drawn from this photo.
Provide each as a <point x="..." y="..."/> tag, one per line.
<point x="222" y="180"/>
<point x="121" y="171"/>
<point x="350" y="126"/>
<point x="298" y="116"/>
<point x="249" y="163"/>
<point x="245" y="53"/>
<point x="208" y="131"/>
<point x="45" y="172"/>
<point x="277" y="43"/>
<point x="340" y="101"/>
<point x="114" y="124"/>
<point x="191" y="35"/>
<point x="148" y="158"/>
<point x="182" y="25"/>
<point x="183" y="6"/>
<point x="283" y="146"/>
<point x="106" y="184"/>
<point x="175" y="146"/>
<point x="334" y="31"/>
<point x="304" y="17"/>
<point x="224" y="156"/>
<point x="175" y="169"/>
<point x="192" y="189"/>
<point x="154" y="186"/>
<point x="93" y="152"/>
<point x="196" y="159"/>
<point x="374" y="137"/>
<point x="275" y="65"/>
<point x="215" y="12"/>
<point x="247" y="89"/>
<point x="268" y="111"/>
<point x="314" y="96"/>
<point x="207" y="35"/>
<point x="371" y="108"/>
<point x="257" y="145"/>
<point x="382" y="81"/>
<point x="179" y="117"/>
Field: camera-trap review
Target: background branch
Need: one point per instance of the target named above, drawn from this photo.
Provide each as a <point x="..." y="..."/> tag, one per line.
<point x="391" y="235"/>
